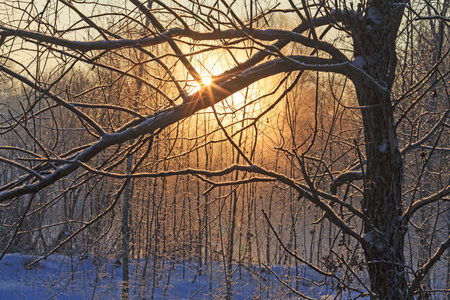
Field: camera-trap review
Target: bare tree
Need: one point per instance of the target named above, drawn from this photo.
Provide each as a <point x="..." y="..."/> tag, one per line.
<point x="354" y="176"/>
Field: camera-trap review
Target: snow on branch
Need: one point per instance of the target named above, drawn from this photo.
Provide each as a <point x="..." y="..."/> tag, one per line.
<point x="22" y="167"/>
<point x="419" y="143"/>
<point x="89" y="45"/>
<point x="437" y="17"/>
<point x="425" y="201"/>
<point x="55" y="98"/>
<point x="425" y="269"/>
<point x="344" y="178"/>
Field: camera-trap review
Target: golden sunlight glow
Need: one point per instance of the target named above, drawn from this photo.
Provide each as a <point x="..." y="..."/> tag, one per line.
<point x="214" y="64"/>
<point x="206" y="80"/>
<point x="195" y="87"/>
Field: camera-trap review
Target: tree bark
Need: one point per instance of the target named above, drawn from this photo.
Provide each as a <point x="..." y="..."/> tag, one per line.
<point x="382" y="202"/>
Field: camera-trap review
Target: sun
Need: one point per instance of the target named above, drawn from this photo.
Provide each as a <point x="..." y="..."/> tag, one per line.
<point x="206" y="80"/>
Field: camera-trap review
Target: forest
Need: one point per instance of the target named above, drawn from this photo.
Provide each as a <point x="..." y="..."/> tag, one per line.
<point x="219" y="149"/>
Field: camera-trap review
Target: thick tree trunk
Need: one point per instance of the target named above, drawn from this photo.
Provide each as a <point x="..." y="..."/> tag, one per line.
<point x="382" y="202"/>
<point x="374" y="42"/>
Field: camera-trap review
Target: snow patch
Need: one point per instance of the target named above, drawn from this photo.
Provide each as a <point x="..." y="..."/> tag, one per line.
<point x="359" y="62"/>
<point x="96" y="277"/>
<point x="374" y="15"/>
<point x="373" y="241"/>
<point x="384" y="146"/>
<point x="368" y="237"/>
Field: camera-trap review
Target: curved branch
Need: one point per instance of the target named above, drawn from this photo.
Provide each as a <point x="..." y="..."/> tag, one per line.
<point x="206" y="97"/>
<point x="433" y="130"/>
<point x="57" y="99"/>
<point x="344" y="178"/>
<point x="293" y="254"/>
<point x="169" y="39"/>
<point x="22" y="167"/>
<point x="422" y="272"/>
<point x="90" y="45"/>
<point x="425" y="201"/>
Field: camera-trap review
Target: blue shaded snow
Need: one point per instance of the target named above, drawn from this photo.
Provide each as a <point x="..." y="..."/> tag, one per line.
<point x="63" y="277"/>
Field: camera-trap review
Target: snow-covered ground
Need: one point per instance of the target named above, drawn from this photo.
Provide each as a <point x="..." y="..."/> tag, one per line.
<point x="62" y="277"/>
